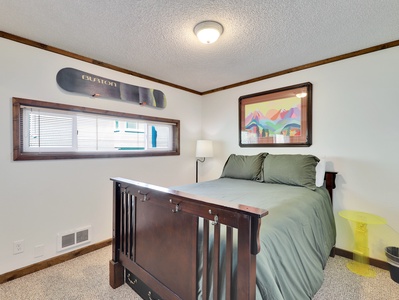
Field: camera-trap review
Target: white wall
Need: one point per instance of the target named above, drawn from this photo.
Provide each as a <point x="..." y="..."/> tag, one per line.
<point x="355" y="126"/>
<point x="39" y="199"/>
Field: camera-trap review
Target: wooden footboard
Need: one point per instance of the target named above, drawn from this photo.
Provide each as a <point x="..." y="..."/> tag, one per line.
<point x="156" y="237"/>
<point x="167" y="240"/>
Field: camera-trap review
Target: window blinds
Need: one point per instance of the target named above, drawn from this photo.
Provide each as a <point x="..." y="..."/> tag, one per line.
<point x="52" y="130"/>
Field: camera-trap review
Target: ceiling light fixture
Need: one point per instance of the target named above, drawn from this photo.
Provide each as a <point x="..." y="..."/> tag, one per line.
<point x="208" y="31"/>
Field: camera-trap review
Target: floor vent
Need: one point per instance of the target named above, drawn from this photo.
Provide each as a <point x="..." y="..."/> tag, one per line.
<point x="82" y="236"/>
<point x="73" y="238"/>
<point x="68" y="240"/>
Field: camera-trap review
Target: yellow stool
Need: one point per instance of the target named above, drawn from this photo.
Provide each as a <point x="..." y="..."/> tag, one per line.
<point x="360" y="265"/>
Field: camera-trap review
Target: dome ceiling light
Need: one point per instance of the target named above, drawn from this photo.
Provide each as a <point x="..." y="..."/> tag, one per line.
<point x="208" y="31"/>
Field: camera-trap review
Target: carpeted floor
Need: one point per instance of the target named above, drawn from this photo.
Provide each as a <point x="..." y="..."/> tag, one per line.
<point x="86" y="278"/>
<point x="342" y="284"/>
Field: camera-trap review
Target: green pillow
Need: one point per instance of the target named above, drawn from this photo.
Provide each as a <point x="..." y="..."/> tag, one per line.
<point x="291" y="169"/>
<point x="244" y="166"/>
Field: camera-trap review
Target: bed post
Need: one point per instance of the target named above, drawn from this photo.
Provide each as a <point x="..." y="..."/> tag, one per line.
<point x="116" y="270"/>
<point x="248" y="247"/>
<point x="329" y="177"/>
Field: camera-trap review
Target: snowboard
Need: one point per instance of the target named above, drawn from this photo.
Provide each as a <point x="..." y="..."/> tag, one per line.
<point x="77" y="81"/>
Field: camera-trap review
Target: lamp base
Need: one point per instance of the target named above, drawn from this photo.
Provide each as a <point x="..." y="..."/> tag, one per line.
<point x="196" y="168"/>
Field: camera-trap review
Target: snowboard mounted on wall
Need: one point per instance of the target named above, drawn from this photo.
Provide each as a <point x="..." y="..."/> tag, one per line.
<point x="76" y="81"/>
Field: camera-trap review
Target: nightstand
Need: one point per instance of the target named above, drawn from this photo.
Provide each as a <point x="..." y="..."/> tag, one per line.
<point x="360" y="264"/>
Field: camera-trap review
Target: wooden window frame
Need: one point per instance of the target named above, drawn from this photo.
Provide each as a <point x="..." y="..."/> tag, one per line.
<point x="19" y="154"/>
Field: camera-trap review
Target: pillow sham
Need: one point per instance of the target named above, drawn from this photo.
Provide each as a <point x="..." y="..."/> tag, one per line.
<point x="291" y="169"/>
<point x="244" y="166"/>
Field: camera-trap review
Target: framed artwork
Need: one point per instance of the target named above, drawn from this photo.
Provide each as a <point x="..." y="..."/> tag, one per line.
<point x="277" y="118"/>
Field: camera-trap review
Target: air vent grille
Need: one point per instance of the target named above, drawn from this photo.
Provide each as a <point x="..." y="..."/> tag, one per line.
<point x="68" y="240"/>
<point x="82" y="236"/>
<point x="73" y="238"/>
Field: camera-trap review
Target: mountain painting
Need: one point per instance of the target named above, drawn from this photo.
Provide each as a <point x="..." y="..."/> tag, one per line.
<point x="271" y="118"/>
<point x="279" y="117"/>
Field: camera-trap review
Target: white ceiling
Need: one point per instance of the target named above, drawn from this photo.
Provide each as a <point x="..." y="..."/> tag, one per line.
<point x="155" y="37"/>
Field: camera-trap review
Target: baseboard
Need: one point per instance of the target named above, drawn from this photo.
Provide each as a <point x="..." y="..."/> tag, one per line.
<point x="52" y="261"/>
<point x="81" y="251"/>
<point x="372" y="261"/>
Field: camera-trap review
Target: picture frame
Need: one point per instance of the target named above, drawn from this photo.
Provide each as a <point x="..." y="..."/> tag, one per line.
<point x="277" y="118"/>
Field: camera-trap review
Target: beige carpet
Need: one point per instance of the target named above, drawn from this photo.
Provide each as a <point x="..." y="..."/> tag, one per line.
<point x="82" y="278"/>
<point x="86" y="278"/>
<point x="342" y="284"/>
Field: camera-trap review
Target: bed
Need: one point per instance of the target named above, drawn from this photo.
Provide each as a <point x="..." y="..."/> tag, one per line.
<point x="263" y="230"/>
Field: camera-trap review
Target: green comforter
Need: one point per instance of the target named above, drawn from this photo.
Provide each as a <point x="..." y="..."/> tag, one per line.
<point x="296" y="237"/>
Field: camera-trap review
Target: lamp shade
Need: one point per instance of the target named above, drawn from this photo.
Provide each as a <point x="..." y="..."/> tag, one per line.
<point x="204" y="148"/>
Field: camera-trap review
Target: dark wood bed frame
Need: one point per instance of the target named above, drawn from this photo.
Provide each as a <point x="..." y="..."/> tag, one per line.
<point x="155" y="241"/>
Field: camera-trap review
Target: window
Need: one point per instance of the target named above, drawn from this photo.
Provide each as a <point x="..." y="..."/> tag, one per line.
<point x="44" y="130"/>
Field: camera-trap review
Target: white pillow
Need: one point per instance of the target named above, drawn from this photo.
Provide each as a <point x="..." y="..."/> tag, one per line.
<point x="320" y="171"/>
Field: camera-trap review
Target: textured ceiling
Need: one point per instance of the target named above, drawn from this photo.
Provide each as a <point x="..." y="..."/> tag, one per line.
<point x="155" y="37"/>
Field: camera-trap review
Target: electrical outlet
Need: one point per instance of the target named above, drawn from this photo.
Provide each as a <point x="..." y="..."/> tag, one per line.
<point x="18" y="246"/>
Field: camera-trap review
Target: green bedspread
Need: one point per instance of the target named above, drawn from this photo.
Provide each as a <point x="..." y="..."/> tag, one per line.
<point x="296" y="237"/>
